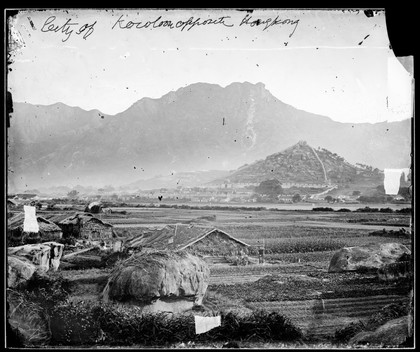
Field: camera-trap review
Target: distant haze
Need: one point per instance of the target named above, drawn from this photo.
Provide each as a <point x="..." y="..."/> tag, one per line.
<point x="199" y="127"/>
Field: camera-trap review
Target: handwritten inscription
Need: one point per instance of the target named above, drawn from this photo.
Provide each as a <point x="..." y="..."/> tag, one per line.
<point x="158" y="22"/>
<point x="267" y="23"/>
<point x="68" y="28"/>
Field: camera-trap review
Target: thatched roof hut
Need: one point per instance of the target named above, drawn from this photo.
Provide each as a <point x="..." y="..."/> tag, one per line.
<point x="198" y="240"/>
<point x="159" y="280"/>
<point x="86" y="226"/>
<point x="48" y="231"/>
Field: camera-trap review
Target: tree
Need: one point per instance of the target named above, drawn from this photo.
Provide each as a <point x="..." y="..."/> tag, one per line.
<point x="356" y="193"/>
<point x="72" y="194"/>
<point x="296" y="198"/>
<point x="269" y="188"/>
<point x="328" y="199"/>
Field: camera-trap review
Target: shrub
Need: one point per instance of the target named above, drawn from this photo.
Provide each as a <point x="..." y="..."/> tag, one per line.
<point x="48" y="290"/>
<point x="117" y="325"/>
<point x="322" y="209"/>
<point x="404" y="211"/>
<point x="367" y="210"/>
<point x="342" y="210"/>
<point x="74" y="324"/>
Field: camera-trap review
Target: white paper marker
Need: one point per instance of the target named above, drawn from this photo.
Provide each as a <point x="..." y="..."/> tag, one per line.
<point x="30" y="224"/>
<point x="204" y="324"/>
<point x="392" y="180"/>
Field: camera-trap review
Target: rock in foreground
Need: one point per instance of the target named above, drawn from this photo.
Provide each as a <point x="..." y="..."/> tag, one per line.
<point x="19" y="270"/>
<point x="159" y="281"/>
<point x="38" y="254"/>
<point x="43" y="255"/>
<point x="391" y="334"/>
<point x="372" y="256"/>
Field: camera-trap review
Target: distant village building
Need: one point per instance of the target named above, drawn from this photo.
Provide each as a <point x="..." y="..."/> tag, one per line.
<point x="48" y="231"/>
<point x="198" y="240"/>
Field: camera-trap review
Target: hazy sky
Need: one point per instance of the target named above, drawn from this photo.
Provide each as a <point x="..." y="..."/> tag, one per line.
<point x="332" y="63"/>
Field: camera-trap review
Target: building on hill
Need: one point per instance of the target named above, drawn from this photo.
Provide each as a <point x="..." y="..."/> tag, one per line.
<point x="86" y="226"/>
<point x="48" y="231"/>
<point x="198" y="240"/>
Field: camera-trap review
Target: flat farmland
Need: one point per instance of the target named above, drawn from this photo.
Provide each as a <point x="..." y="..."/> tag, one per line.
<point x="294" y="278"/>
<point x="287" y="236"/>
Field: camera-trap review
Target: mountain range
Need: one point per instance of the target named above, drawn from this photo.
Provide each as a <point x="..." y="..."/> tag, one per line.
<point x="195" y="128"/>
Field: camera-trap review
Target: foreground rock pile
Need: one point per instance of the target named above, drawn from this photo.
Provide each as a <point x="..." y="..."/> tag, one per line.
<point x="371" y="256"/>
<point x="159" y="280"/>
<point x="24" y="261"/>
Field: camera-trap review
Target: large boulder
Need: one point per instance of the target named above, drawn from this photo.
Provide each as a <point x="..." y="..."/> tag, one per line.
<point x="19" y="270"/>
<point x="372" y="256"/>
<point x="44" y="256"/>
<point x="159" y="281"/>
<point x="38" y="254"/>
<point x="391" y="334"/>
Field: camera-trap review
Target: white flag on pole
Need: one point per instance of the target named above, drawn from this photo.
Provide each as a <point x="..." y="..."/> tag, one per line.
<point x="204" y="324"/>
<point x="30" y="224"/>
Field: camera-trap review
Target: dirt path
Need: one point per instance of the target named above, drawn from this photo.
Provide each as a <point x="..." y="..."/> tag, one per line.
<point x="322" y="165"/>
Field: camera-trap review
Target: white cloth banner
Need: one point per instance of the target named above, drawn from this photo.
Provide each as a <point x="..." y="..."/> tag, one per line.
<point x="392" y="180"/>
<point x="30" y="224"/>
<point x="204" y="324"/>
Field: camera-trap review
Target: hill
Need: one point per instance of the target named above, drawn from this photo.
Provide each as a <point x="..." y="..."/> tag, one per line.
<point x="303" y="164"/>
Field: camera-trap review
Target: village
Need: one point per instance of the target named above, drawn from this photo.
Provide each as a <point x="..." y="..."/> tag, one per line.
<point x="233" y="193"/>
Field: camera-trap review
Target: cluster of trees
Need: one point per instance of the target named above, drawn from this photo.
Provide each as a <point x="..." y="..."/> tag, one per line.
<point x="331" y="199"/>
<point x="270" y="190"/>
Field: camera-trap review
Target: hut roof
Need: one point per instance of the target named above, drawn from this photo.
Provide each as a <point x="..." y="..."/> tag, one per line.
<point x="82" y="217"/>
<point x="44" y="224"/>
<point x="175" y="237"/>
<point x="57" y="218"/>
<point x="12" y="202"/>
<point x="16" y="221"/>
